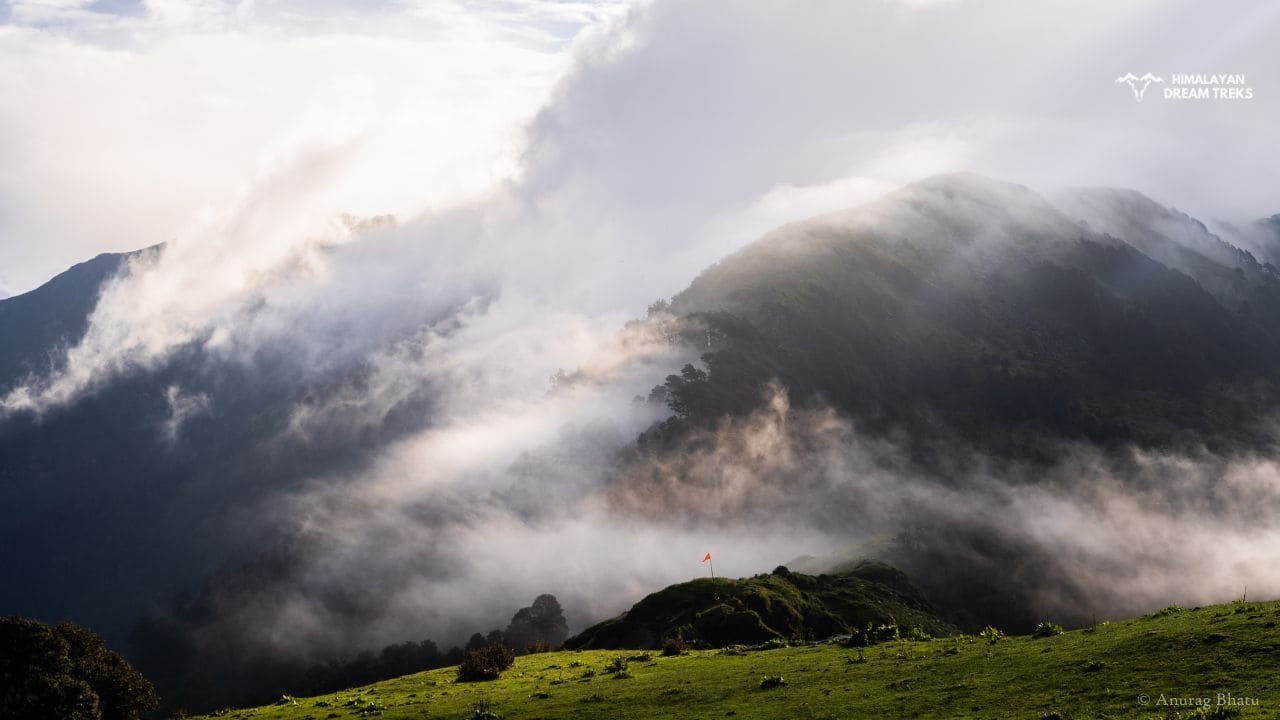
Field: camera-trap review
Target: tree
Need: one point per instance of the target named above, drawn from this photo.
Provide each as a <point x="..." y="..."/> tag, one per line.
<point x="66" y="672"/>
<point x="683" y="391"/>
<point x="542" y="623"/>
<point x="394" y="661"/>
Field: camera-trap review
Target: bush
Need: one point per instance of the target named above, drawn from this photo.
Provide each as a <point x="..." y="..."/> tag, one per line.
<point x="886" y="633"/>
<point x="772" y="681"/>
<point x="485" y="663"/>
<point x="616" y="665"/>
<point x="1240" y="606"/>
<point x="991" y="634"/>
<point x="874" y="635"/>
<point x="1047" y="629"/>
<point x="917" y="635"/>
<point x="674" y="646"/>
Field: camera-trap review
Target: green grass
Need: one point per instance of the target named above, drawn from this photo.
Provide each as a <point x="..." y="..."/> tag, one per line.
<point x="1100" y="673"/>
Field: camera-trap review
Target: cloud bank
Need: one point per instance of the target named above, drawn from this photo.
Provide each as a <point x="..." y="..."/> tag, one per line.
<point x="659" y="140"/>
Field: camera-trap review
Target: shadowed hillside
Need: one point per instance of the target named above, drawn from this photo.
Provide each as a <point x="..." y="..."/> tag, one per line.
<point x="965" y="309"/>
<point x="35" y="325"/>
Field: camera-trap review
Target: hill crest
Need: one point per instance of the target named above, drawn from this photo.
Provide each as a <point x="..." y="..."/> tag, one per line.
<point x="781" y="605"/>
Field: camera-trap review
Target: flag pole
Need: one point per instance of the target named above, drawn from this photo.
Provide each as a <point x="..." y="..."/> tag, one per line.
<point x="711" y="563"/>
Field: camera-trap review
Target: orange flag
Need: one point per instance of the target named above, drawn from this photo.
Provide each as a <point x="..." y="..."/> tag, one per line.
<point x="707" y="558"/>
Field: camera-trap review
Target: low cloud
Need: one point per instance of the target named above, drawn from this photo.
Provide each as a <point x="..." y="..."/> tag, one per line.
<point x="1093" y="534"/>
<point x="452" y="529"/>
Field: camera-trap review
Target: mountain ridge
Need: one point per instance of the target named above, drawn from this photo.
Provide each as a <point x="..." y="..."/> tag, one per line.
<point x="912" y="301"/>
<point x="53" y="315"/>
<point x="962" y="313"/>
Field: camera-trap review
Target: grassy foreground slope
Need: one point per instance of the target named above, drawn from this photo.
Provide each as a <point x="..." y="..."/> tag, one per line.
<point x="1107" y="672"/>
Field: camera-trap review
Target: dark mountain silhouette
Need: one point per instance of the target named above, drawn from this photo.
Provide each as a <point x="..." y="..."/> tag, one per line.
<point x="35" y="325"/>
<point x="965" y="309"/>
<point x="103" y="517"/>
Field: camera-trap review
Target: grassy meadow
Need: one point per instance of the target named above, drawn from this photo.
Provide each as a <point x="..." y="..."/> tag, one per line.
<point x="1157" y="666"/>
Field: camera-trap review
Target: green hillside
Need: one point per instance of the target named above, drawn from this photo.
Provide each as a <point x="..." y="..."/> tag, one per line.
<point x="777" y="606"/>
<point x="1109" y="671"/>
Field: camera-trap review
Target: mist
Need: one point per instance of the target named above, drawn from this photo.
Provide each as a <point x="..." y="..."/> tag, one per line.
<point x="1094" y="535"/>
<point x="450" y="531"/>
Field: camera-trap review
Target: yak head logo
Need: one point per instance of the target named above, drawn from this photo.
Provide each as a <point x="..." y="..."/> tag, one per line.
<point x="1139" y="85"/>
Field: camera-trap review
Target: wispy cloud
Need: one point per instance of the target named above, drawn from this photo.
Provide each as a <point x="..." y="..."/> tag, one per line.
<point x="119" y="129"/>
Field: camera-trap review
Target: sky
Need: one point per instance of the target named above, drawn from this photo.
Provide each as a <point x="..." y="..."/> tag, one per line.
<point x="123" y="123"/>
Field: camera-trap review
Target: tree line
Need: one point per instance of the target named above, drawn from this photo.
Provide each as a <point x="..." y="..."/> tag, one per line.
<point x="538" y="627"/>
